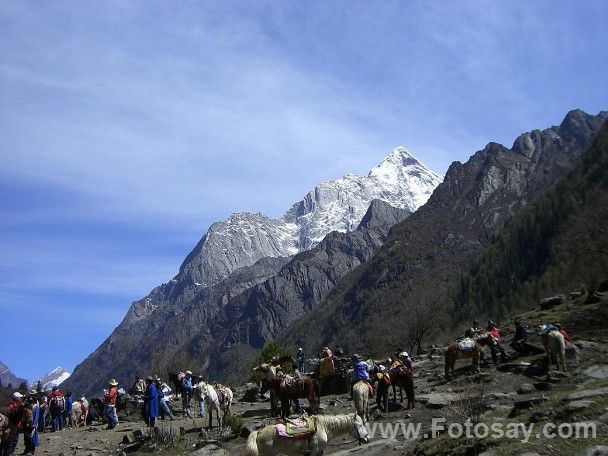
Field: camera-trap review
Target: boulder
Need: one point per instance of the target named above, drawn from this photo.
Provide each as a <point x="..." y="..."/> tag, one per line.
<point x="549" y="303"/>
<point x="251" y="394"/>
<point x="577" y="406"/>
<point x="523" y="404"/>
<point x="210" y="450"/>
<point x="585" y="344"/>
<point x="599" y="371"/>
<point x="526" y="388"/>
<point x="437" y="400"/>
<point x="586" y="394"/>
<point x="599" y="450"/>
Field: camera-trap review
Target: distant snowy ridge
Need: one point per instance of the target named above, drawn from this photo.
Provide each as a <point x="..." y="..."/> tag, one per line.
<point x="53" y="378"/>
<point x="338" y="205"/>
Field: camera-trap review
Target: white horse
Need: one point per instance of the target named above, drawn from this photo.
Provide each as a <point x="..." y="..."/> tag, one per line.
<point x="79" y="414"/>
<point x="216" y="402"/>
<point x="361" y="400"/>
<point x="266" y="441"/>
<point x="556" y="349"/>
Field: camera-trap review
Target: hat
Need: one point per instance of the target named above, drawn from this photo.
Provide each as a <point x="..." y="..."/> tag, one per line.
<point x="83" y="399"/>
<point x="113" y="382"/>
<point x="17" y="395"/>
<point x="381" y="368"/>
<point x="188" y="372"/>
<point x="404" y="355"/>
<point x="356" y="357"/>
<point x="149" y="378"/>
<point x="300" y="349"/>
<point x="33" y="392"/>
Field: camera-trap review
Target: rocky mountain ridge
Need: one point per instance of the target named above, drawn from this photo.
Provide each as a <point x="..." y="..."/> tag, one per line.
<point x="424" y="256"/>
<point x="6" y="376"/>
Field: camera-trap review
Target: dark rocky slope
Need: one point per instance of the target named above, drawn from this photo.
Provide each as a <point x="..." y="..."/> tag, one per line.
<point x="424" y="257"/>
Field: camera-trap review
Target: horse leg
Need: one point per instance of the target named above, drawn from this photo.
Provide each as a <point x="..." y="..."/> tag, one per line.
<point x="394" y="392"/>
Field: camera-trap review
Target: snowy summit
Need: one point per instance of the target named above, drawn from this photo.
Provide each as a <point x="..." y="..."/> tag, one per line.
<point x="337" y="205"/>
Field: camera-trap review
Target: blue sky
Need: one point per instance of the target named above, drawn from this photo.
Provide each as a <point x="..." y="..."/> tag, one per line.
<point x="127" y="128"/>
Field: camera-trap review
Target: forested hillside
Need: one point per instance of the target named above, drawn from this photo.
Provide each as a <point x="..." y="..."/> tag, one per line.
<point x="560" y="241"/>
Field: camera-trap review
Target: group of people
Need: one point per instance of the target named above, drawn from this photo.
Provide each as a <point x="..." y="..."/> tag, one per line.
<point x="31" y="413"/>
<point x="520" y="338"/>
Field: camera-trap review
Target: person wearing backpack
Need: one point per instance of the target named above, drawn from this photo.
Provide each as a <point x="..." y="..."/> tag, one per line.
<point x="56" y="407"/>
<point x="384" y="381"/>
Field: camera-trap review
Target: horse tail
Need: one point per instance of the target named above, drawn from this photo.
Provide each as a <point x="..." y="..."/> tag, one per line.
<point x="251" y="447"/>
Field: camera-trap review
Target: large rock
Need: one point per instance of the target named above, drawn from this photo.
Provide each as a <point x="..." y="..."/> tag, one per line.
<point x="210" y="450"/>
<point x="577" y="406"/>
<point x="586" y="394"/>
<point x="437" y="400"/>
<point x="599" y="371"/>
<point x="549" y="303"/>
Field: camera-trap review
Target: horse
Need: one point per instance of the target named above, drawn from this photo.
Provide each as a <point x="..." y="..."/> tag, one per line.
<point x="403" y="378"/>
<point x="79" y="414"/>
<point x="9" y="432"/>
<point x="556" y="349"/>
<point x="453" y="352"/>
<point x="216" y="402"/>
<point x="361" y="395"/>
<point x="294" y="388"/>
<point x="266" y="441"/>
<point x="176" y="379"/>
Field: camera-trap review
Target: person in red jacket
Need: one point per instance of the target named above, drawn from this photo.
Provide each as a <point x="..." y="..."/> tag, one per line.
<point x="14" y="413"/>
<point x="495" y="346"/>
<point x="110" y="402"/>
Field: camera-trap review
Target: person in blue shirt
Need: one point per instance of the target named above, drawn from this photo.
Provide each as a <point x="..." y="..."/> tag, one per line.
<point x="151" y="402"/>
<point x="187" y="390"/>
<point x="360" y="373"/>
<point x="67" y="413"/>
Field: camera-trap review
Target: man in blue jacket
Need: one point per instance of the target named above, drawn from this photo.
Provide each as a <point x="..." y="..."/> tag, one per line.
<point x="151" y="402"/>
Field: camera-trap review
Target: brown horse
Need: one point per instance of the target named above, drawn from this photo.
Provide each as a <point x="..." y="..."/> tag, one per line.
<point x="292" y="389"/>
<point x="453" y="353"/>
<point x="403" y="378"/>
<point x="9" y="427"/>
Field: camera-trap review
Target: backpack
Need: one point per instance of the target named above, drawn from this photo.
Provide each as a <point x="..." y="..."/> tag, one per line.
<point x="57" y="403"/>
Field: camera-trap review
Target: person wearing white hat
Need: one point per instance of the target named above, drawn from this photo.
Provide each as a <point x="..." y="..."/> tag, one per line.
<point x="110" y="402"/>
<point x="300" y="360"/>
<point x="14" y="412"/>
<point x="187" y="389"/>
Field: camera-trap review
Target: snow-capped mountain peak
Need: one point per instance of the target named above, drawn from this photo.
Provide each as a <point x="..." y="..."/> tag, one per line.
<point x="335" y="205"/>
<point x="53" y="378"/>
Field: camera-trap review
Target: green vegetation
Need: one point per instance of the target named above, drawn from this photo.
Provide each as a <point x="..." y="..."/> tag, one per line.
<point x="558" y="242"/>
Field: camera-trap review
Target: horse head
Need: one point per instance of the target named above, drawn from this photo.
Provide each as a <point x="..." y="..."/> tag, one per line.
<point x="360" y="430"/>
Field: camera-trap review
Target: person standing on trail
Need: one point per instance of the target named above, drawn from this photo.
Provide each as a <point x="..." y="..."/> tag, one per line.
<point x="384" y="381"/>
<point x="14" y="413"/>
<point x="67" y="414"/>
<point x="300" y="360"/>
<point x="56" y="407"/>
<point x="110" y="402"/>
<point x="30" y="429"/>
<point x="200" y="396"/>
<point x="151" y="402"/>
<point x="163" y="399"/>
<point x="187" y="390"/>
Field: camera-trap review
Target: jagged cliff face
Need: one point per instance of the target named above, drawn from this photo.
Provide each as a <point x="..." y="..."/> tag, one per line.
<point x="6" y="376"/>
<point x="190" y="314"/>
<point x="425" y="254"/>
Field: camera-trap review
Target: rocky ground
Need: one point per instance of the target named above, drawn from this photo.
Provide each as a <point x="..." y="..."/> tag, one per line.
<point x="520" y="391"/>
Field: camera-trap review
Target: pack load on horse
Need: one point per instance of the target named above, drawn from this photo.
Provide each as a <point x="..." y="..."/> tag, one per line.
<point x="270" y="440"/>
<point x="285" y="388"/>
<point x="555" y="345"/>
<point x="401" y="374"/>
<point x="454" y="352"/>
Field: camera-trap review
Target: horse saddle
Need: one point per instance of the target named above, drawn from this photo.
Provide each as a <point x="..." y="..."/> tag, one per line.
<point x="299" y="428"/>
<point x="290" y="383"/>
<point x="467" y="344"/>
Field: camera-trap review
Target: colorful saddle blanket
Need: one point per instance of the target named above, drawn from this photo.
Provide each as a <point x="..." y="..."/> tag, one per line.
<point x="299" y="428"/>
<point x="467" y="344"/>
